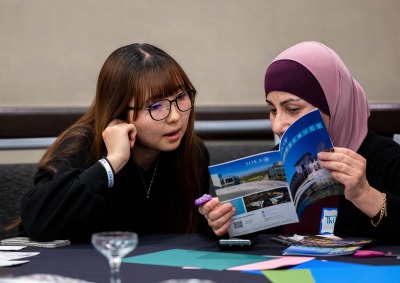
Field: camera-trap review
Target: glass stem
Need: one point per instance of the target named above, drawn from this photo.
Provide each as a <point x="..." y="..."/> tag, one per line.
<point x="115" y="263"/>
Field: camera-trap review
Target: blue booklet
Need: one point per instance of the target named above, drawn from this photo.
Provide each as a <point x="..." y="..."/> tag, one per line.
<point x="274" y="188"/>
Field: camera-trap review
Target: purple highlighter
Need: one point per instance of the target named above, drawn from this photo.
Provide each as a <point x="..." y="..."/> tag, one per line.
<point x="202" y="200"/>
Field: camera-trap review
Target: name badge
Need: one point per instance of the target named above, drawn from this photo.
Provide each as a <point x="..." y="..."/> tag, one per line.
<point x="328" y="219"/>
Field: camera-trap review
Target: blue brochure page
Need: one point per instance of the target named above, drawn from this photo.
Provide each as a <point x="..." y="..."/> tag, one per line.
<point x="256" y="186"/>
<point x="299" y="146"/>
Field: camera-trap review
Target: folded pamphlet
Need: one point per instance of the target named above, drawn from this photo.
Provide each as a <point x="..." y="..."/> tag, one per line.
<point x="274" y="188"/>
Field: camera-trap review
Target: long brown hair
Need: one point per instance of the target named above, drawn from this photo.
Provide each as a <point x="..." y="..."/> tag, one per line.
<point x="141" y="72"/>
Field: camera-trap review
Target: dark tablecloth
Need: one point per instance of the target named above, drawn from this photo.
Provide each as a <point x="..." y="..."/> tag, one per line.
<point x="82" y="261"/>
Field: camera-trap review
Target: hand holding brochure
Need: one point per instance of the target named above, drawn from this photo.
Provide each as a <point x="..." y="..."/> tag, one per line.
<point x="274" y="188"/>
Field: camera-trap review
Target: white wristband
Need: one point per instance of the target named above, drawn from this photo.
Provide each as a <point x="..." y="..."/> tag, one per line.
<point x="110" y="174"/>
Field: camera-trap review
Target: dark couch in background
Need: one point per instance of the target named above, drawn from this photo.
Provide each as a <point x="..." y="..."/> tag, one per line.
<point x="16" y="179"/>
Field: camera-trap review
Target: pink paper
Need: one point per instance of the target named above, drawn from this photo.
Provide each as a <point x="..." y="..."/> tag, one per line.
<point x="273" y="263"/>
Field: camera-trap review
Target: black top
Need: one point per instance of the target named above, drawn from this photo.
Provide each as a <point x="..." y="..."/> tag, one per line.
<point x="76" y="202"/>
<point x="383" y="173"/>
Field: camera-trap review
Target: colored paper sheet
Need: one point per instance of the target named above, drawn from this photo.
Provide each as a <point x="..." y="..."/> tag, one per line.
<point x="325" y="264"/>
<point x="319" y="251"/>
<point x="285" y="276"/>
<point x="387" y="274"/>
<point x="197" y="259"/>
<point x="11" y="248"/>
<point x="273" y="263"/>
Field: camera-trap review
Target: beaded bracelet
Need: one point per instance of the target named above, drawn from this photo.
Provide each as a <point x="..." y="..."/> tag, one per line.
<point x="109" y="171"/>
<point x="382" y="213"/>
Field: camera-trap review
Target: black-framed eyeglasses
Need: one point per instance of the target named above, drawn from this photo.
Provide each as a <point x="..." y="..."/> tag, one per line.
<point x="160" y="109"/>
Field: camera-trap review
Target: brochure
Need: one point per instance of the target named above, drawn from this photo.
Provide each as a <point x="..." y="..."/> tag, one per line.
<point x="329" y="241"/>
<point x="315" y="245"/>
<point x="274" y="188"/>
<point x="320" y="251"/>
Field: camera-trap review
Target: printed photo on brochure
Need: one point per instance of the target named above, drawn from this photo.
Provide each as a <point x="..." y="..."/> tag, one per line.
<point x="274" y="188"/>
<point x="316" y="245"/>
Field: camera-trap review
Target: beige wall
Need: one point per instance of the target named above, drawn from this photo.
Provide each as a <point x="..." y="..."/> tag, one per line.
<point x="52" y="50"/>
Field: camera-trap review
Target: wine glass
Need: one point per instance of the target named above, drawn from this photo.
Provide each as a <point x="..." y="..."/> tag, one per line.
<point x="114" y="246"/>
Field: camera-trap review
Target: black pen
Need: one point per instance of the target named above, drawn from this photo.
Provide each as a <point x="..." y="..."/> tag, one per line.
<point x="281" y="241"/>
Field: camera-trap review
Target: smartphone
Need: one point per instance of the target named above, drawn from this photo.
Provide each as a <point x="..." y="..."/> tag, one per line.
<point x="25" y="241"/>
<point x="236" y="243"/>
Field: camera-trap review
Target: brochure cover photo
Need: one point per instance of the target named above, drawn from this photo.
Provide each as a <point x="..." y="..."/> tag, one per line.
<point x="324" y="246"/>
<point x="299" y="146"/>
<point x="274" y="188"/>
<point x="256" y="186"/>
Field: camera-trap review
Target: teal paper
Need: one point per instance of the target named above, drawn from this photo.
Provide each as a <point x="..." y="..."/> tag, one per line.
<point x="197" y="259"/>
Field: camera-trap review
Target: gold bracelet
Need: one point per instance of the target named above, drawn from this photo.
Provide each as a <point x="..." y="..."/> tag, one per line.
<point x="382" y="213"/>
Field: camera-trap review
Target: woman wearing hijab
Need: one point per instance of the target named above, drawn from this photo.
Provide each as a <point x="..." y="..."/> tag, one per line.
<point x="309" y="75"/>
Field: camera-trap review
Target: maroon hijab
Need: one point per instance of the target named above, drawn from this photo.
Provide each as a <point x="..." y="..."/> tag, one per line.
<point x="315" y="73"/>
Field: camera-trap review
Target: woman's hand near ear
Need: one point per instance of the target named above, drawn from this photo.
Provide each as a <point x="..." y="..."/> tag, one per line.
<point x="119" y="138"/>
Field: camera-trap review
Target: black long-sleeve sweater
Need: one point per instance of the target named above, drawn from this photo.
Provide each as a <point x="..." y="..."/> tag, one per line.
<point x="76" y="202"/>
<point x="383" y="173"/>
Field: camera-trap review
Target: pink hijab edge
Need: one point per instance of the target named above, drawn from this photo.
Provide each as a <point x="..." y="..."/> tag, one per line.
<point x="346" y="98"/>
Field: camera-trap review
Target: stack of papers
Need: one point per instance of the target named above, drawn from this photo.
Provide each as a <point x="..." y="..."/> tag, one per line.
<point x="324" y="245"/>
<point x="8" y="258"/>
<point x="38" y="278"/>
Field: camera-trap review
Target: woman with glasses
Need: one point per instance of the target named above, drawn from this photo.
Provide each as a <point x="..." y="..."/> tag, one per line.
<point x="309" y="75"/>
<point x="131" y="162"/>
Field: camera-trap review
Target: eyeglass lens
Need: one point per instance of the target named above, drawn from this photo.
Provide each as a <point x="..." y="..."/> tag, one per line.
<point x="160" y="110"/>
